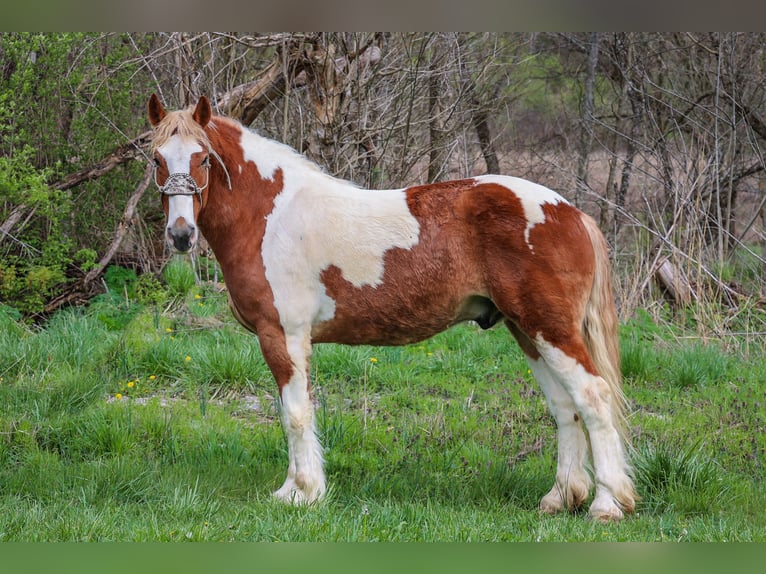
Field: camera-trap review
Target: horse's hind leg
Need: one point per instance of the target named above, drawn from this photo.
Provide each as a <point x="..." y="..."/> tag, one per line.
<point x="573" y="483"/>
<point x="570" y="363"/>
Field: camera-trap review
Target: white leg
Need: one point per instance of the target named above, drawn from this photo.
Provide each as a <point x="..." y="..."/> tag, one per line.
<point x="573" y="482"/>
<point x="305" y="480"/>
<point x="592" y="398"/>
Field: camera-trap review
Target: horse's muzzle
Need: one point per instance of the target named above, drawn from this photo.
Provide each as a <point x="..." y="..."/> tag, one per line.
<point x="182" y="235"/>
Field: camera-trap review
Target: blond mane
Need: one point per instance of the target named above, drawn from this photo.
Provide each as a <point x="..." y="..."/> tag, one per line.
<point x="181" y="123"/>
<point x="178" y="123"/>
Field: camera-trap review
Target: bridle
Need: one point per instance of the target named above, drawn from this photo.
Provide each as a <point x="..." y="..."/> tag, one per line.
<point x="184" y="184"/>
<point x="181" y="184"/>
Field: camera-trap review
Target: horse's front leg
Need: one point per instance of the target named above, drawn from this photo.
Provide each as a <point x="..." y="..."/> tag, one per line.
<point x="289" y="362"/>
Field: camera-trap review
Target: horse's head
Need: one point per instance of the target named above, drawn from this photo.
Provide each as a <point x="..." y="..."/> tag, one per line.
<point x="182" y="164"/>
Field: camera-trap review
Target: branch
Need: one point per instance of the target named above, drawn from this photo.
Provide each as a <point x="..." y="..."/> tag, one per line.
<point x="754" y="121"/>
<point x="268" y="40"/>
<point x="122" y="154"/>
<point x="246" y="101"/>
<point x="13" y="219"/>
<point x="80" y="289"/>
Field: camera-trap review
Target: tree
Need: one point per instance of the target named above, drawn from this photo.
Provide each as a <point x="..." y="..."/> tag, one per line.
<point x="676" y="118"/>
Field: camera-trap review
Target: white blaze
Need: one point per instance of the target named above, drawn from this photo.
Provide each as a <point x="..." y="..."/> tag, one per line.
<point x="178" y="153"/>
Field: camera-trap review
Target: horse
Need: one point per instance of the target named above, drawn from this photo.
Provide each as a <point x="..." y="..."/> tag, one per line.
<point x="309" y="258"/>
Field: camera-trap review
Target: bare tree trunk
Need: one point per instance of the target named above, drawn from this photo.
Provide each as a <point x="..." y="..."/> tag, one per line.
<point x="438" y="157"/>
<point x="184" y="66"/>
<point x="481" y="124"/>
<point x="606" y="219"/>
<point x="11" y="221"/>
<point x="586" y="130"/>
<point x="762" y="189"/>
<point x="479" y="116"/>
<point x="326" y="89"/>
<point x="636" y="106"/>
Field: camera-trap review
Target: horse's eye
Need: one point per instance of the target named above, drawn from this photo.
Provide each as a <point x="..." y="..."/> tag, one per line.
<point x="206" y="161"/>
<point x="156" y="162"/>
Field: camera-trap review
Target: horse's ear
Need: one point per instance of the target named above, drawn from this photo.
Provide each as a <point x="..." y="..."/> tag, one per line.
<point x="156" y="111"/>
<point x="202" y="112"/>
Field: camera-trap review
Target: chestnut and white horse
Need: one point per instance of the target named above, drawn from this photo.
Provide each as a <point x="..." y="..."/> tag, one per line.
<point x="308" y="258"/>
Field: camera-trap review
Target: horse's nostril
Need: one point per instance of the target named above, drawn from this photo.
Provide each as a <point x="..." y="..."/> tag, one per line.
<point x="181" y="236"/>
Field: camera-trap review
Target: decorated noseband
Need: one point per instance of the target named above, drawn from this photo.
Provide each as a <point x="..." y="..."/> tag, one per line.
<point x="181" y="184"/>
<point x="184" y="183"/>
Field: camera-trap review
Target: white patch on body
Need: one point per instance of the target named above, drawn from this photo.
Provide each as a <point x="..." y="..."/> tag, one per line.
<point x="532" y="195"/>
<point x="318" y="221"/>
<point x="177" y="153"/>
<point x="267" y="154"/>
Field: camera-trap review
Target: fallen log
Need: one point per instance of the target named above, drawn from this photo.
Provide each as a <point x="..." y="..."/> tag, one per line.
<point x="673" y="282"/>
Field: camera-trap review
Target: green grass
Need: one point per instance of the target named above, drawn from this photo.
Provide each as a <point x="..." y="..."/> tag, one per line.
<point x="448" y="440"/>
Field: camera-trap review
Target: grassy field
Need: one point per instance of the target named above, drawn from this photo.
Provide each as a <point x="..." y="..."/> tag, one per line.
<point x="150" y="416"/>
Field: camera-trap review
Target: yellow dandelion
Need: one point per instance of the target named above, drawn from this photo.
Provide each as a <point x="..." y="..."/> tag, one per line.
<point x="198" y="296"/>
<point x="131" y="384"/>
<point x="429" y="354"/>
<point x="168" y="330"/>
<point x="187" y="358"/>
<point x="152" y="377"/>
<point x="373" y="360"/>
<point x="118" y="396"/>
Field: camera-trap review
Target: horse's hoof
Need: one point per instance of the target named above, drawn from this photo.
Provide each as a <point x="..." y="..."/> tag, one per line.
<point x="291" y="495"/>
<point x="606" y="512"/>
<point x="554" y="501"/>
<point x="551" y="503"/>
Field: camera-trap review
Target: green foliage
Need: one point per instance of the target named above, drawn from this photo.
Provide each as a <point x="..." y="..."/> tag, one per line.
<point x="546" y="84"/>
<point x="651" y="353"/>
<point x="8" y="315"/>
<point x="682" y="480"/>
<point x="179" y="276"/>
<point x="85" y="259"/>
<point x="149" y="290"/>
<point x="35" y="257"/>
<point x="120" y="279"/>
<point x="166" y="430"/>
<point x="698" y="365"/>
<point x="58" y="114"/>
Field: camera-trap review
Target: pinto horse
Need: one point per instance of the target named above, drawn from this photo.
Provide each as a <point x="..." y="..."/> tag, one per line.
<point x="308" y="258"/>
